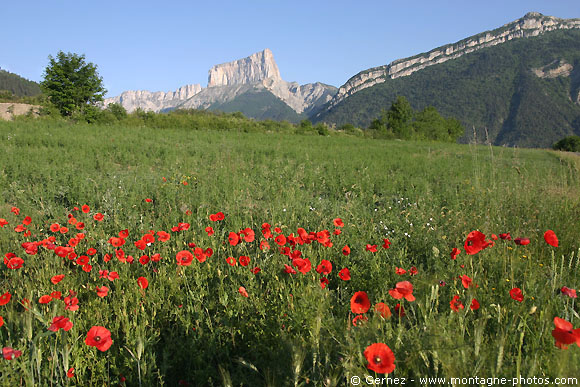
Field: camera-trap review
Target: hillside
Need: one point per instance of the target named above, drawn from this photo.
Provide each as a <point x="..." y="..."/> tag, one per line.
<point x="525" y="91"/>
<point x="17" y="85"/>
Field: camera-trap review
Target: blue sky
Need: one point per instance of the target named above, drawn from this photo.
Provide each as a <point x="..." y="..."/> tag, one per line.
<point x="162" y="45"/>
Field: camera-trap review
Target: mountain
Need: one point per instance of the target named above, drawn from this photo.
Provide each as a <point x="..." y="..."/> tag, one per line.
<point x="155" y="101"/>
<point x="520" y="83"/>
<point x="17" y="85"/>
<point x="252" y="85"/>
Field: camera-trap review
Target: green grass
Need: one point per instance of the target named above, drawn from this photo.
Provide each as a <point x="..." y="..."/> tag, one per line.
<point x="191" y="323"/>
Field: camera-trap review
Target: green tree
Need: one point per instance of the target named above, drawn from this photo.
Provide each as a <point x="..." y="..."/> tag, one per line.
<point x="568" y="144"/>
<point x="72" y="84"/>
<point x="399" y="118"/>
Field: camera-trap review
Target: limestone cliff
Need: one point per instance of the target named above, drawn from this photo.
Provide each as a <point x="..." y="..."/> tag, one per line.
<point x="532" y="24"/>
<point x="154" y="101"/>
<point x="254" y="68"/>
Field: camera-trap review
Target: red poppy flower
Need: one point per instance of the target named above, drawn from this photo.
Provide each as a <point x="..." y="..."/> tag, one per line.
<point x="289" y="269"/>
<point x="569" y="292"/>
<point x="10" y="354"/>
<point x="3" y="222"/>
<point x="163" y="236"/>
<point x="243" y="292"/>
<point x="516" y="294"/>
<point x="209" y="231"/>
<point x="199" y="254"/>
<point x="345" y="250"/>
<point x="474" y="304"/>
<point x="184" y="258"/>
<point x="244" y="260"/>
<point x="344" y="274"/>
<point x="80" y="226"/>
<point x="15" y="210"/>
<point x="248" y="234"/>
<point x="551" y="238"/>
<point x="60" y="322"/>
<point x="71" y="303"/>
<point x="280" y="240"/>
<point x="143" y="282"/>
<point x="338" y="222"/>
<point x="456" y="304"/>
<point x="505" y="236"/>
<point x="371" y="248"/>
<point x="86" y="209"/>
<point x="144" y="259"/>
<point x="5" y="298"/>
<point x="113" y="276"/>
<point x="264" y="245"/>
<point x="466" y="281"/>
<point x="522" y="241"/>
<point x="323" y="282"/>
<point x="1" y="321"/>
<point x="494" y="237"/>
<point x="256" y="270"/>
<point x="413" y="271"/>
<point x="99" y="337"/>
<point x="233" y="238"/>
<point x="358" y="318"/>
<point x="231" y="261"/>
<point x="44" y="299"/>
<point x="98" y="217"/>
<point x="403" y="289"/>
<point x="380" y="358"/>
<point x="15" y="263"/>
<point x="337" y="232"/>
<point x="82" y="260"/>
<point x="359" y="302"/>
<point x="475" y="242"/>
<point x="565" y="334"/>
<point x="70" y="373"/>
<point x="455" y="252"/>
<point x="303" y="265"/>
<point x="400" y="271"/>
<point x="141" y="244"/>
<point x="148" y="239"/>
<point x="386" y="243"/>
<point x="124" y="233"/>
<point x="72" y="220"/>
<point x="102" y="291"/>
<point x="324" y="268"/>
<point x="383" y="309"/>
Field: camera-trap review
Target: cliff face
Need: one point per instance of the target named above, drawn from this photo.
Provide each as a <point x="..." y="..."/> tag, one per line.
<point x="255" y="68"/>
<point x="154" y="101"/>
<point x="532" y="24"/>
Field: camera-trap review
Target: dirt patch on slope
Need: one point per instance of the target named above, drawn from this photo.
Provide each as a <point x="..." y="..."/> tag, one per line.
<point x="8" y="109"/>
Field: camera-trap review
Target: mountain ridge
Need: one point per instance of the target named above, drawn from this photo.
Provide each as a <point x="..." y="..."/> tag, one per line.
<point x="531" y="24"/>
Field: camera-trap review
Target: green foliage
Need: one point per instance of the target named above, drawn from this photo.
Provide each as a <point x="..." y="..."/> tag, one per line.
<point x="568" y="144"/>
<point x="402" y="122"/>
<point x="399" y="118"/>
<point x="14" y="86"/>
<point x="73" y="85"/>
<point x="493" y="89"/>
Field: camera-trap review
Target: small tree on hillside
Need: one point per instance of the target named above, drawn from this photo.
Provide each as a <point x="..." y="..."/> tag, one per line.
<point x="399" y="118"/>
<point x="72" y="84"/>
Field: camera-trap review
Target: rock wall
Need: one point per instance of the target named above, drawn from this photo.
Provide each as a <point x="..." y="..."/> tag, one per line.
<point x="532" y="24"/>
<point x="252" y="69"/>
<point x="154" y="101"/>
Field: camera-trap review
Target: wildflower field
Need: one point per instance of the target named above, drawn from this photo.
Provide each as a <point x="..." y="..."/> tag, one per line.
<point x="139" y="256"/>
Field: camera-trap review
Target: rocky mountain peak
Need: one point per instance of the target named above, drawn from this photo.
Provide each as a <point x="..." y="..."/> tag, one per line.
<point x="254" y="68"/>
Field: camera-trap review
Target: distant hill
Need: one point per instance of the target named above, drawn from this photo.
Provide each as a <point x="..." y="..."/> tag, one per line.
<point x="521" y="82"/>
<point x="17" y="85"/>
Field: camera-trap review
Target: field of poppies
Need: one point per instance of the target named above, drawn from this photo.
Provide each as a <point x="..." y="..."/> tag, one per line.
<point x="138" y="256"/>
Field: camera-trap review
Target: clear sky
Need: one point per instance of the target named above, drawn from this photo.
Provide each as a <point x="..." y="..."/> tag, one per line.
<point x="163" y="45"/>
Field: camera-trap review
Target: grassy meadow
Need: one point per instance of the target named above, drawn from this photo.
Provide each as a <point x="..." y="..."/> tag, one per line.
<point x="191" y="325"/>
